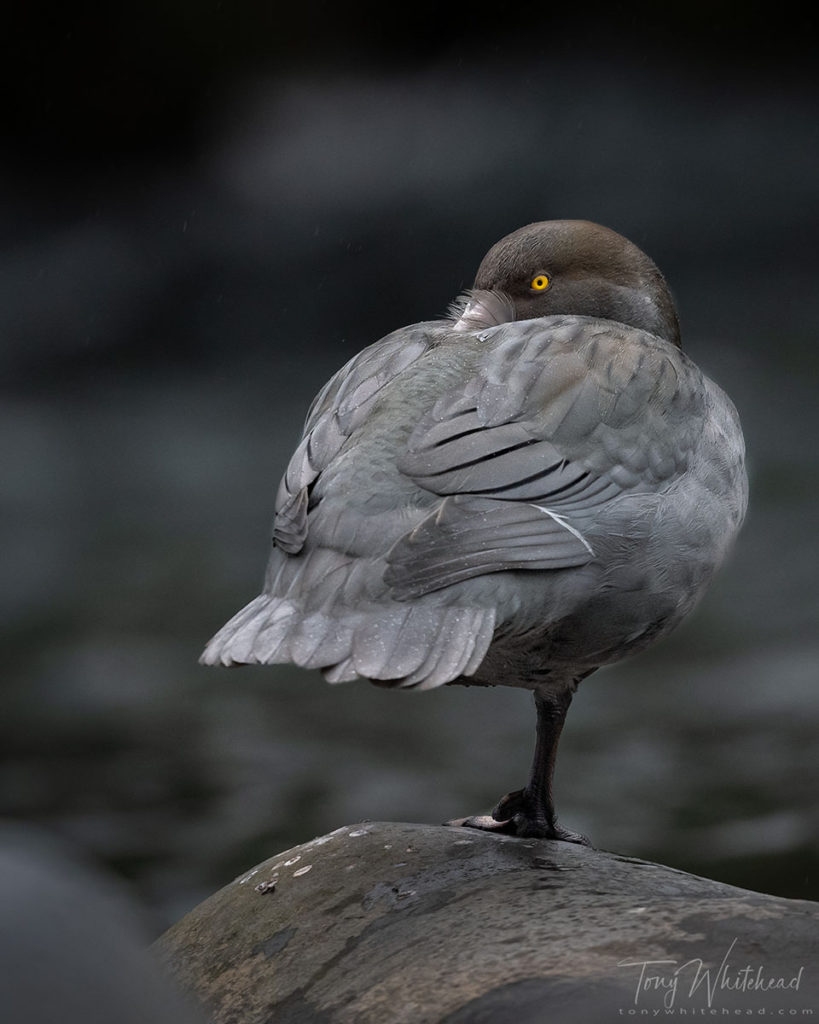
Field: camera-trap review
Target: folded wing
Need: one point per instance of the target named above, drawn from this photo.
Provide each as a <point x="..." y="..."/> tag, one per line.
<point x="557" y="422"/>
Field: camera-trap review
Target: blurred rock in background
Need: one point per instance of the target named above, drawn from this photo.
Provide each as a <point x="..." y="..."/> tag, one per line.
<point x="74" y="947"/>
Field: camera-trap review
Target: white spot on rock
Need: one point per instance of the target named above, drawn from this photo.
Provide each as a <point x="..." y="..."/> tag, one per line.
<point x="302" y="871"/>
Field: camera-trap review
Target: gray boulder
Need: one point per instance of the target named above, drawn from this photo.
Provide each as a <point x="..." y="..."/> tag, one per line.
<point x="383" y="922"/>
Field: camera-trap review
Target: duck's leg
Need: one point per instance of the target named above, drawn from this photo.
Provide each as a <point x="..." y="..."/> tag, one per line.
<point x="531" y="811"/>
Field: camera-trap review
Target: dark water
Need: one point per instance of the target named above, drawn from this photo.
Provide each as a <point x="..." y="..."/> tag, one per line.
<point x="165" y="330"/>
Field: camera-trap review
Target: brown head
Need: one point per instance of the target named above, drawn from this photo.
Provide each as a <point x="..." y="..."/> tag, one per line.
<point x="570" y="267"/>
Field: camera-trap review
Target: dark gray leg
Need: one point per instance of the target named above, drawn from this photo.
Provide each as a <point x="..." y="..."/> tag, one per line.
<point x="531" y="811"/>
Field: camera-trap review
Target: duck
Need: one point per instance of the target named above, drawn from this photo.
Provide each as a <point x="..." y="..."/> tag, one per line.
<point x="530" y="488"/>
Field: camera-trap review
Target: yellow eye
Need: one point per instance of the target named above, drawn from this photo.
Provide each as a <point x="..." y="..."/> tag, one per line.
<point x="540" y="283"/>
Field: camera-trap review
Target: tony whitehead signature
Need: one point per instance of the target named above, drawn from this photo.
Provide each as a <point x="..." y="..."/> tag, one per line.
<point x="685" y="979"/>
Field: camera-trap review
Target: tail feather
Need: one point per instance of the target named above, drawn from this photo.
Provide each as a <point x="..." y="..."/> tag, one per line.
<point x="460" y="647"/>
<point x="271" y="644"/>
<point x="426" y="670"/>
<point x="219" y="650"/>
<point x="482" y="636"/>
<point x="397" y="645"/>
<point x="392" y="645"/>
<point x="343" y="672"/>
<point x="318" y="640"/>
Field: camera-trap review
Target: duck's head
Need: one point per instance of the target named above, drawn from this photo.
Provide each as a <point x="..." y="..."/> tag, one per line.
<point x="569" y="267"/>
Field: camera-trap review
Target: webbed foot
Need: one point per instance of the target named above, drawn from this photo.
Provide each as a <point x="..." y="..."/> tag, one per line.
<point x="530" y="812"/>
<point x="517" y="815"/>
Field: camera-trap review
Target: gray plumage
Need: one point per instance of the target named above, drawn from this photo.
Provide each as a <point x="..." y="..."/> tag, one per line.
<point x="533" y="488"/>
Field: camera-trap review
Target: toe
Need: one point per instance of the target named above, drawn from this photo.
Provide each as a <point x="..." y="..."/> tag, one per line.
<point x="567" y="836"/>
<point x="510" y="805"/>
<point x="484" y="822"/>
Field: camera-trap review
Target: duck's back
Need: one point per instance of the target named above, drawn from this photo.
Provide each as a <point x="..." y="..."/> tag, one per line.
<point x="564" y="485"/>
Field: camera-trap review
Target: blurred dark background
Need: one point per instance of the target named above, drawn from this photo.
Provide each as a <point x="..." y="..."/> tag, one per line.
<point x="205" y="210"/>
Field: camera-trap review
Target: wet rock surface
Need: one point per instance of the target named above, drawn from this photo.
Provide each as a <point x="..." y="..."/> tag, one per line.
<point x="403" y="922"/>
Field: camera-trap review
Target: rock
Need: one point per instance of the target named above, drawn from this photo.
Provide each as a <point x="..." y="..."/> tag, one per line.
<point x="382" y="922"/>
<point x="73" y="948"/>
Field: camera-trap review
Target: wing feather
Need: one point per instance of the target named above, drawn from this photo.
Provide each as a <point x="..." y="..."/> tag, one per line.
<point x="339" y="408"/>
<point x="560" y="418"/>
<point x="467" y="537"/>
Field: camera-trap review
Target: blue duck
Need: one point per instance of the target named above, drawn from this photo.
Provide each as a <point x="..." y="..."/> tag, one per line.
<point x="534" y="487"/>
